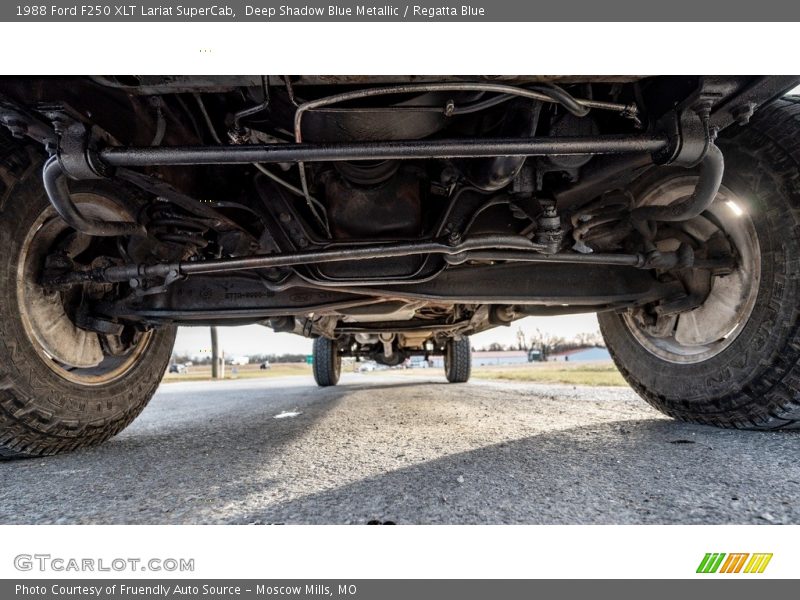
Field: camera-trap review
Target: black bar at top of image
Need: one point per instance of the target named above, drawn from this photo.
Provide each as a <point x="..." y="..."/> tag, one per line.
<point x="418" y="11"/>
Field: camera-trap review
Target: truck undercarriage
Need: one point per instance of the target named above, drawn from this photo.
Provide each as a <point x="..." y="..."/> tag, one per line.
<point x="384" y="216"/>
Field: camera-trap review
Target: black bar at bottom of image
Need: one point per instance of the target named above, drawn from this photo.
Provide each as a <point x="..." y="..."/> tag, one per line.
<point x="389" y="589"/>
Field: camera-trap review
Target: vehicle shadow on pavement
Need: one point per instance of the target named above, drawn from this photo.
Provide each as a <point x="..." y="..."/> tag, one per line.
<point x="217" y="454"/>
<point x="639" y="471"/>
<point x="395" y="385"/>
<point x="169" y="466"/>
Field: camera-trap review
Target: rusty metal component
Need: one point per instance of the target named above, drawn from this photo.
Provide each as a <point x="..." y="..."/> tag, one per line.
<point x="714" y="309"/>
<point x="711" y="171"/>
<point x="142" y="272"/>
<point x="603" y="224"/>
<point x="549" y="232"/>
<point x="541" y="93"/>
<point x="55" y="184"/>
<point x="521" y="119"/>
<point x="391" y="209"/>
<point x="52" y="318"/>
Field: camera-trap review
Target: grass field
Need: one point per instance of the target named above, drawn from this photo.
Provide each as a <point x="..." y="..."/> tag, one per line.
<point x="602" y="373"/>
<point x="595" y="373"/>
<point x="203" y="373"/>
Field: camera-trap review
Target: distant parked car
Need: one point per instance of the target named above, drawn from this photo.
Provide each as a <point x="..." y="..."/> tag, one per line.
<point x="177" y="368"/>
<point x="535" y="355"/>
<point x="265" y="365"/>
<point x="366" y="366"/>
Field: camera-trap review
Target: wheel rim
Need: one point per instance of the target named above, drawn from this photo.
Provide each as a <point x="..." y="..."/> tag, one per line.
<point x="73" y="354"/>
<point x="704" y="332"/>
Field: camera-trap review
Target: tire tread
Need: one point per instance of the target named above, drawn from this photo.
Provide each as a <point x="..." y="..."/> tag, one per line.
<point x="459" y="367"/>
<point x="326" y="355"/>
<point x="770" y="143"/>
<point x="28" y="424"/>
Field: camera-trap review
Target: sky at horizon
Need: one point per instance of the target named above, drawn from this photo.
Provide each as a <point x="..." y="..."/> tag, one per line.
<point x="257" y="339"/>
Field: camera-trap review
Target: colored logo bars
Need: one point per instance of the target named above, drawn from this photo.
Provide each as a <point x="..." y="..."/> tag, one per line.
<point x="719" y="562"/>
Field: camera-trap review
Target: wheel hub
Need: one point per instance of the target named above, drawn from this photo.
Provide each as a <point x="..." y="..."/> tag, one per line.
<point x="74" y="353"/>
<point x="707" y="329"/>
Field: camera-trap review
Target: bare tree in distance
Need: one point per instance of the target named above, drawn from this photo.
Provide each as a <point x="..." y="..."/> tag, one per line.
<point x="590" y="339"/>
<point x="522" y="342"/>
<point x="546" y="342"/>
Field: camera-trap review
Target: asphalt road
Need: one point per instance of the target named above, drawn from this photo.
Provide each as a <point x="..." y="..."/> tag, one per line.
<point x="409" y="450"/>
